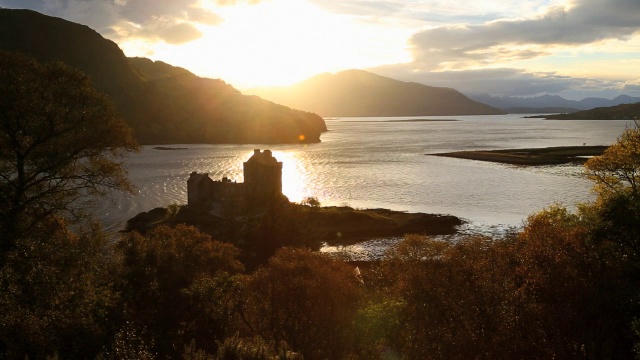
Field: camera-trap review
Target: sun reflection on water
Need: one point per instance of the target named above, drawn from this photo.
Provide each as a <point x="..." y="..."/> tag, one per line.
<point x="294" y="175"/>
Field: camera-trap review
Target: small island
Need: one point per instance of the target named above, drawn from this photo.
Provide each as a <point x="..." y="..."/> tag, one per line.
<point x="257" y="218"/>
<point x="531" y="157"/>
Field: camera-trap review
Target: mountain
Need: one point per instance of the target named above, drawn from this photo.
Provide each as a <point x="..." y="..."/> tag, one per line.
<point x="361" y="93"/>
<point x="618" y="112"/>
<point x="593" y="102"/>
<point x="546" y="103"/>
<point x="540" y="110"/>
<point x="162" y="103"/>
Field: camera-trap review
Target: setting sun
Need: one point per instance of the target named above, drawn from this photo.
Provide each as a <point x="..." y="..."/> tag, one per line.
<point x="282" y="42"/>
<point x="319" y="179"/>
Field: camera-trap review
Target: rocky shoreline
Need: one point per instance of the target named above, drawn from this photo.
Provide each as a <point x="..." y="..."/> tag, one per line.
<point x="332" y="225"/>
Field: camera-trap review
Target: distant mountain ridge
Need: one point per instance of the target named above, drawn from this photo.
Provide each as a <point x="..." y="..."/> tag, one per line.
<point x="618" y="112"/>
<point x="162" y="103"/>
<point x="547" y="103"/>
<point x="361" y="93"/>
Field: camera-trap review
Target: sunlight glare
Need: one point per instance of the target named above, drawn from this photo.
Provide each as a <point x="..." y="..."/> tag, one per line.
<point x="294" y="178"/>
<point x="281" y="42"/>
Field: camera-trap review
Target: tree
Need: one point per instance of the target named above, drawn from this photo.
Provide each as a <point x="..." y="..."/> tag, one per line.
<point x="452" y="299"/>
<point x="570" y="290"/>
<point x="616" y="212"/>
<point x="56" y="293"/>
<point x="60" y="140"/>
<point x="178" y="285"/>
<point x="305" y="299"/>
<point x="618" y="169"/>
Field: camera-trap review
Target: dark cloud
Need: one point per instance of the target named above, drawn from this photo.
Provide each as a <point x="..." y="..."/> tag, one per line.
<point x="589" y="21"/>
<point x="37" y="5"/>
<point x="632" y="88"/>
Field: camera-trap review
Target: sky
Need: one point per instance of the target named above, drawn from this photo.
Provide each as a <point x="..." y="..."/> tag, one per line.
<point x="572" y="48"/>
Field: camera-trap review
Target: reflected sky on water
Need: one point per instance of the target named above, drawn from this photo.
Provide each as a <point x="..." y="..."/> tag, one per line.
<point x="385" y="163"/>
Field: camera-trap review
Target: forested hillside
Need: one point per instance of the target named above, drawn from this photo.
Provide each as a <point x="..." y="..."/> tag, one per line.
<point x="163" y="104"/>
<point x="619" y="112"/>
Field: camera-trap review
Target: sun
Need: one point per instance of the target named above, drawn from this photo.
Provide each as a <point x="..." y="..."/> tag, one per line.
<point x="279" y="42"/>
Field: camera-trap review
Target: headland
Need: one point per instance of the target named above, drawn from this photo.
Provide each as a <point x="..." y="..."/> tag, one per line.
<point x="531" y="157"/>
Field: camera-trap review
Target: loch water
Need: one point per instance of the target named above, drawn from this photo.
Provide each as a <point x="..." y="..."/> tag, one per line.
<point x="387" y="163"/>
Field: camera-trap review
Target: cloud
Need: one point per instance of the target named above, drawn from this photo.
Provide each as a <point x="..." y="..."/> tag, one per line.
<point x="632" y="87"/>
<point x="465" y="46"/>
<point x="178" y="33"/>
<point x="172" y="21"/>
<point x="203" y="16"/>
<point x="466" y="57"/>
<point x="433" y="12"/>
<point x="361" y="7"/>
<point x="235" y="2"/>
<point x="508" y="82"/>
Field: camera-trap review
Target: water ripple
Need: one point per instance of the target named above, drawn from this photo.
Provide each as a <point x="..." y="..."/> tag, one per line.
<point x="375" y="163"/>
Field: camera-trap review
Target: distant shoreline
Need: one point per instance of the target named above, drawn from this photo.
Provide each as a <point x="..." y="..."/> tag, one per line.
<point x="531" y="157"/>
<point x="402" y="120"/>
<point x="169" y="148"/>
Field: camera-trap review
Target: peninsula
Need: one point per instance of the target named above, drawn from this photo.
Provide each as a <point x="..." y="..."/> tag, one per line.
<point x="618" y="112"/>
<point x="535" y="156"/>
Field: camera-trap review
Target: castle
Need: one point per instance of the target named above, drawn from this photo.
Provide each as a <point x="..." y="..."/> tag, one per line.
<point x="262" y="183"/>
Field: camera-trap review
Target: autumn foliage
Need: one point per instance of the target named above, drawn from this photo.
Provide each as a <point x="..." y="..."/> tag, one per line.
<point x="565" y="286"/>
<point x="304" y="299"/>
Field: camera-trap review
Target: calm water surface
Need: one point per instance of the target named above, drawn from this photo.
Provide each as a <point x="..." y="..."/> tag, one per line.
<point x="385" y="162"/>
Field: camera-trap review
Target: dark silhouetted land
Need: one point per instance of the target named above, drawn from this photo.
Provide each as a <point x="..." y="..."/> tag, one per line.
<point x="331" y="224"/>
<point x="619" y="112"/>
<point x="361" y="93"/>
<point x="162" y="103"/>
<point x="536" y="156"/>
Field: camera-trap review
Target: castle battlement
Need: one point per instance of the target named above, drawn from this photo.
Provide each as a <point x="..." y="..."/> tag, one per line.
<point x="262" y="183"/>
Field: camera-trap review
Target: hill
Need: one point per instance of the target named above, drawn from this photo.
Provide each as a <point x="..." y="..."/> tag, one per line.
<point x="619" y="112"/>
<point x="162" y="103"/>
<point x="548" y="103"/>
<point x="361" y="93"/>
<point x="541" y="110"/>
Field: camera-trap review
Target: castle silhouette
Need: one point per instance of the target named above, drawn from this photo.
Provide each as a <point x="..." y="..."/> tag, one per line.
<point x="262" y="183"/>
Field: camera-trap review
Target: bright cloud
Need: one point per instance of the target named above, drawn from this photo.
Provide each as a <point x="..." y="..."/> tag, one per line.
<point x="585" y="46"/>
<point x="468" y="46"/>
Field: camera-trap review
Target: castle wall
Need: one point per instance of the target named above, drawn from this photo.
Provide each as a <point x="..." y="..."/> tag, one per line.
<point x="262" y="183"/>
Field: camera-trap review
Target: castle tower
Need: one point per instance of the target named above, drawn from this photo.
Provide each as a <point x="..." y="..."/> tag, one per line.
<point x="262" y="177"/>
<point x="199" y="189"/>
